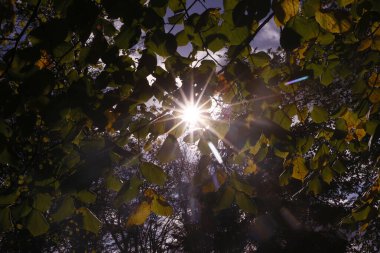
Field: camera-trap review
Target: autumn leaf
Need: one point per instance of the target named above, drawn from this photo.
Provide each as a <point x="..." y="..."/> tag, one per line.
<point x="139" y="215"/>
<point x="299" y="168"/>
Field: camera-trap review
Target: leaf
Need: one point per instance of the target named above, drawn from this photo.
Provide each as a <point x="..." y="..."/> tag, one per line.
<point x="344" y="3"/>
<point x="375" y="96"/>
<point x="374" y="80"/>
<point x="36" y="223"/>
<point x="226" y="199"/>
<point x="361" y="214"/>
<point x="8" y="199"/>
<point x="315" y="186"/>
<point x="245" y="203"/>
<point x="307" y="28"/>
<point x="327" y="175"/>
<point x="241" y="186"/>
<point x="153" y="173"/>
<point x="66" y="209"/>
<point x="360" y="133"/>
<point x="299" y="169"/>
<point x="90" y="222"/>
<point x="251" y="168"/>
<point x="215" y="42"/>
<point x="113" y="182"/>
<point x="319" y="114"/>
<point x="86" y="196"/>
<point x="260" y="59"/>
<point x="176" y="19"/>
<point x="42" y="202"/>
<point x="285" y="10"/>
<point x="127" y="37"/>
<point x="330" y="23"/>
<point x="140" y="214"/>
<point x="5" y="219"/>
<point x="161" y="207"/>
<point x="169" y="150"/>
<point x="128" y="191"/>
<point x="310" y="7"/>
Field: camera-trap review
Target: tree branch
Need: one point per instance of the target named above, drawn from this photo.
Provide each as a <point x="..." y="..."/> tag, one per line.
<point x="246" y="42"/>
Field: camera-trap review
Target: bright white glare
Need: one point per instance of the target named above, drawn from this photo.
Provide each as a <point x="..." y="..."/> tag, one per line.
<point x="297" y="80"/>
<point x="191" y="114"/>
<point x="215" y="152"/>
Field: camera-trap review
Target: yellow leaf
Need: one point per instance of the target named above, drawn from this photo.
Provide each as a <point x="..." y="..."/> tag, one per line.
<point x="139" y="216"/>
<point x="251" y="168"/>
<point x="44" y="61"/>
<point x="375" y="96"/>
<point x="285" y="10"/>
<point x="330" y="23"/>
<point x="360" y="133"/>
<point x="299" y="168"/>
<point x="351" y="118"/>
<point x="364" y="44"/>
<point x="161" y="207"/>
<point x="374" y="80"/>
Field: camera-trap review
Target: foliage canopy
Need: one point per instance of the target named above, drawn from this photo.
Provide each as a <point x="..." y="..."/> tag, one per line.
<point x="90" y="94"/>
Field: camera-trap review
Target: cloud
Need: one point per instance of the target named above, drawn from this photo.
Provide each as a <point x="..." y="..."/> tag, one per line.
<point x="268" y="37"/>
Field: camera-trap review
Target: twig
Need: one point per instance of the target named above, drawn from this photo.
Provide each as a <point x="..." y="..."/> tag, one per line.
<point x="246" y="42"/>
<point x="18" y="39"/>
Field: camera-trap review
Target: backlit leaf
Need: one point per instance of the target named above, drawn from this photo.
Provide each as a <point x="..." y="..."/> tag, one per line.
<point x="245" y="203"/>
<point x="169" y="150"/>
<point x="36" y="223"/>
<point x="5" y="219"/>
<point x="140" y="214"/>
<point x="153" y="173"/>
<point x="330" y="23"/>
<point x="66" y="209"/>
<point x="90" y="222"/>
<point x="161" y="207"/>
<point x="319" y="114"/>
<point x="299" y="168"/>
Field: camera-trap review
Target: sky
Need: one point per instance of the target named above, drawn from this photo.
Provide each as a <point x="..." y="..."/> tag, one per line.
<point x="268" y="37"/>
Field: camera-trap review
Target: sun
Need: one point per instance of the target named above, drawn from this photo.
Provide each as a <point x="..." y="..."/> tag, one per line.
<point x="191" y="114"/>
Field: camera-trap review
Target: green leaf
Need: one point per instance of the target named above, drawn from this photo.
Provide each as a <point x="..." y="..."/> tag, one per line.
<point x="66" y="209"/>
<point x="36" y="223"/>
<point x="343" y="3"/>
<point x="127" y="37"/>
<point x="310" y="7"/>
<point x="361" y="214"/>
<point x="284" y="177"/>
<point x="319" y="114"/>
<point x="169" y="150"/>
<point x="153" y="173"/>
<point x="42" y="202"/>
<point x="241" y="186"/>
<point x="226" y="199"/>
<point x="339" y="167"/>
<point x="327" y="175"/>
<point x="260" y="59"/>
<point x="299" y="168"/>
<point x="327" y="77"/>
<point x="86" y="196"/>
<point x="245" y="203"/>
<point x="140" y="214"/>
<point x="90" y="222"/>
<point x="216" y="41"/>
<point x="8" y="199"/>
<point x="307" y="28"/>
<point x="5" y="219"/>
<point x="113" y="182"/>
<point x="129" y="191"/>
<point x="315" y="186"/>
<point x="176" y="19"/>
<point x="161" y="207"/>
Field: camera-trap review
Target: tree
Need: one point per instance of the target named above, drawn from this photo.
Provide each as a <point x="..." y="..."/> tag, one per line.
<point x="91" y="122"/>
